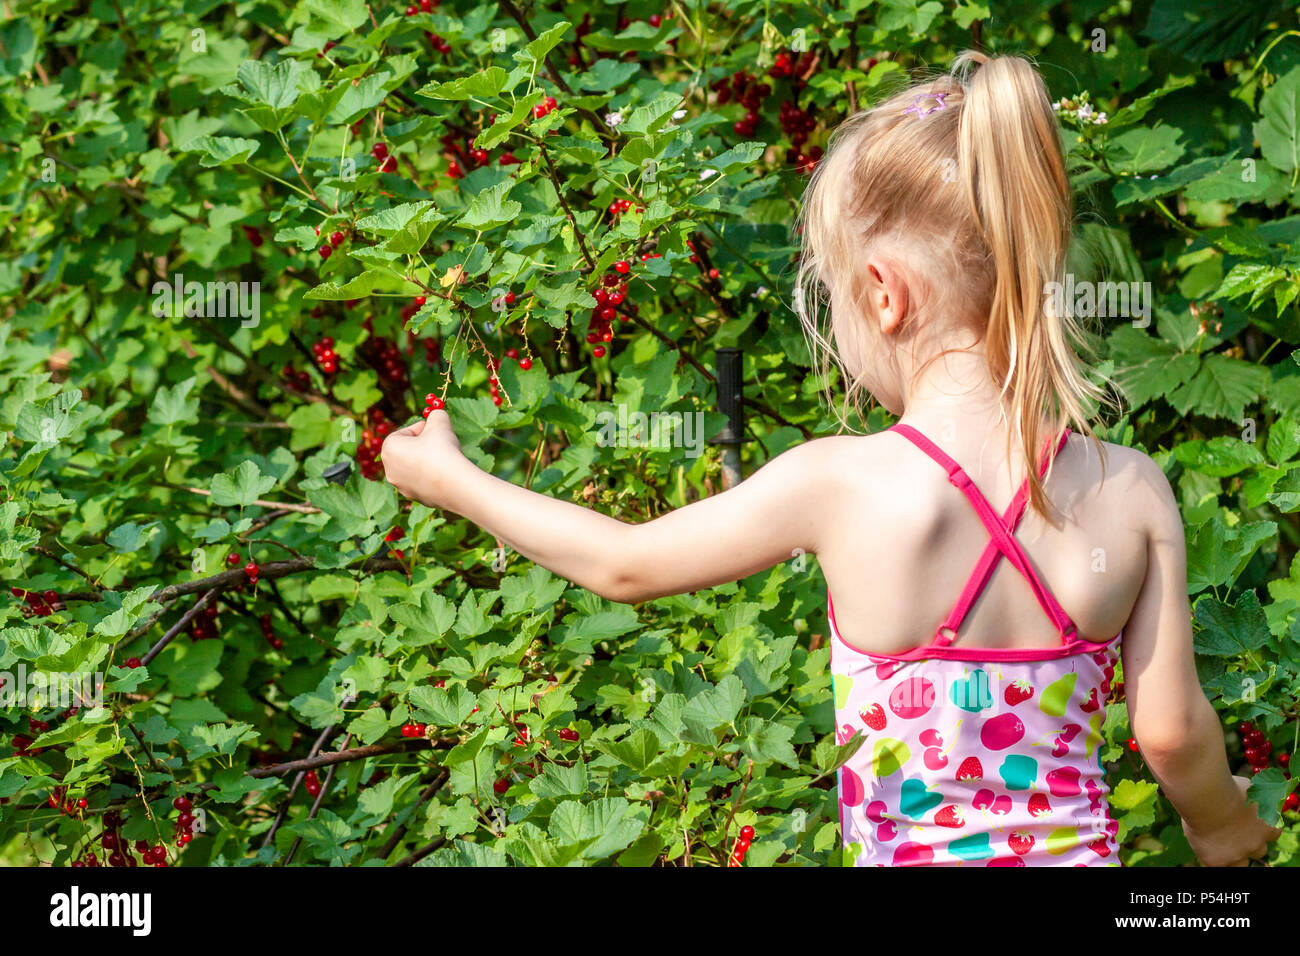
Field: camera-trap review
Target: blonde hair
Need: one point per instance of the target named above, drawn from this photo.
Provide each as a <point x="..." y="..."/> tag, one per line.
<point x="977" y="192"/>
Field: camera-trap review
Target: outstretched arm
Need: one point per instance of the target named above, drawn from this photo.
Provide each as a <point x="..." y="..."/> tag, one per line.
<point x="718" y="539"/>
<point x="1177" y="730"/>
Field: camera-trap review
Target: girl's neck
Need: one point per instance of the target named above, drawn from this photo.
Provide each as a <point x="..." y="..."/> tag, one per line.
<point x="954" y="401"/>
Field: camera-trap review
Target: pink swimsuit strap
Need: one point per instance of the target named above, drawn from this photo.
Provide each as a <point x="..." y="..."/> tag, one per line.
<point x="1002" y="542"/>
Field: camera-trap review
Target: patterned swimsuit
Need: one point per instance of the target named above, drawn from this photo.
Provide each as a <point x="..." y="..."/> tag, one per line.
<point x="977" y="756"/>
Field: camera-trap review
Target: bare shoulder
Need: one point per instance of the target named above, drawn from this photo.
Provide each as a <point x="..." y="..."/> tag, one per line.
<point x="1126" y="480"/>
<point x="844" y="457"/>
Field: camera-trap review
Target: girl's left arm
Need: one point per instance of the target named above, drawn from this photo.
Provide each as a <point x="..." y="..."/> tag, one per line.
<point x="759" y="523"/>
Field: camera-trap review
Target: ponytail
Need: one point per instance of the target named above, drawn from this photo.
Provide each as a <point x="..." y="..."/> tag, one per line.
<point x="1018" y="192"/>
<point x="995" y="224"/>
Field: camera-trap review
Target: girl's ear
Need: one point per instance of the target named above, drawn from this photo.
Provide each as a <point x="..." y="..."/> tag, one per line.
<point x="888" y="293"/>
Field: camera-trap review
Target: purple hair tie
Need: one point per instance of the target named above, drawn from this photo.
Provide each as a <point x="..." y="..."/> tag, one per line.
<point x="940" y="98"/>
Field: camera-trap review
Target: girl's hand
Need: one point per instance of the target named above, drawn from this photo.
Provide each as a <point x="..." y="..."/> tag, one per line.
<point x="1243" y="837"/>
<point x="420" y="459"/>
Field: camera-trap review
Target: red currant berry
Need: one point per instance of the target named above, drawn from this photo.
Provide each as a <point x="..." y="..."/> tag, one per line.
<point x="598" y="351"/>
<point x="623" y="266"/>
<point x="526" y="364"/>
<point x="1133" y="744"/>
<point x="251" y="569"/>
<point x="747" y="834"/>
<point x="133" y="662"/>
<point x="501" y="786"/>
<point x="326" y="251"/>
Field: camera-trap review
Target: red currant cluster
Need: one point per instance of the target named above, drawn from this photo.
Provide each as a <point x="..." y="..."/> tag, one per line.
<point x="414" y="730"/>
<point x="796" y="123"/>
<point x="411" y="308"/>
<point x="569" y="734"/>
<point x="544" y="107"/>
<point x="746" y="90"/>
<point x="395" y="533"/>
<point x="332" y="242"/>
<point x="311" y="783"/>
<point x="432" y="350"/>
<point x="425" y="6"/>
<point x="268" y="631"/>
<point x="203" y="626"/>
<point x="785" y="65"/>
<point x="387" y="163"/>
<point x="251" y="571"/>
<point x="508" y="158"/>
<point x="500" y="786"/>
<point x="494" y="383"/>
<point x="39" y="604"/>
<point x="252" y="235"/>
<point x="432" y="403"/>
<point x="386" y="357"/>
<point x="119" y="853"/>
<point x="462" y="156"/>
<point x="326" y="360"/>
<point x="184" y="820"/>
<point x="525" y="363"/>
<point x="438" y="43"/>
<point x="157" y="854"/>
<point x="609" y="295"/>
<point x="372" y="440"/>
<point x="295" y="378"/>
<point x="620" y="206"/>
<point x="804" y="162"/>
<point x="58" y="800"/>
<point x="741" y="846"/>
<point x="1259" y="750"/>
<point x="522" y="737"/>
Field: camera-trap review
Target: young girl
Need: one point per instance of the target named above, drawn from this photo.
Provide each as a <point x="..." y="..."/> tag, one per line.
<point x="977" y="617"/>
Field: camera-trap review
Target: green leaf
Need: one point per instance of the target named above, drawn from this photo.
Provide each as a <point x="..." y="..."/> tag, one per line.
<point x="490" y="208"/>
<point x="221" y="150"/>
<point x="1228" y="630"/>
<point x="1216" y="553"/>
<point x="1268" y="789"/>
<point x="241" y="487"/>
<point x="1221" y="389"/>
<point x="1278" y="127"/>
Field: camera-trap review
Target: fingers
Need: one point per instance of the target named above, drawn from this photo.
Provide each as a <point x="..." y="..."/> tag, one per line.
<point x="412" y="430"/>
<point x="437" y="422"/>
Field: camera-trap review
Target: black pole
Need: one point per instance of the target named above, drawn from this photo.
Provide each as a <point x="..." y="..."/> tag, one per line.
<point x="730" y="363"/>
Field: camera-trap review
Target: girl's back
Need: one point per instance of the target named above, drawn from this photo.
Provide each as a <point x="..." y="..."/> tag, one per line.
<point x="981" y="739"/>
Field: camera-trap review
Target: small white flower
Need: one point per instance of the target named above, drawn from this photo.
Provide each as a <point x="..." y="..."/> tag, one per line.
<point x="1085" y="111"/>
<point x="760" y="292"/>
<point x="613" y="119"/>
<point x="1100" y="119"/>
<point x="679" y="115"/>
<point x="707" y="173"/>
